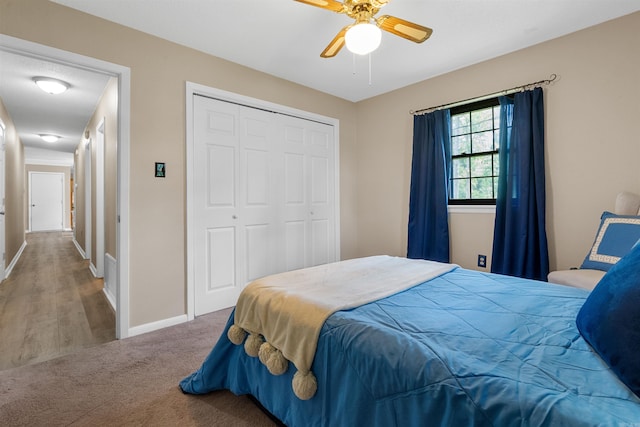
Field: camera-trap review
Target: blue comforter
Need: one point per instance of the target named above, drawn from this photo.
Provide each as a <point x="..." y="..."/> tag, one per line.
<point x="463" y="349"/>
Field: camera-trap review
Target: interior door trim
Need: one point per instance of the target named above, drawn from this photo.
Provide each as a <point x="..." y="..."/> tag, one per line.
<point x="123" y="74"/>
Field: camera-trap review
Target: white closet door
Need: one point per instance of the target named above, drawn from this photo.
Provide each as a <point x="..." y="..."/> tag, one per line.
<point x="295" y="198"/>
<point x="308" y="221"/>
<point x="263" y="198"/>
<point x="217" y="257"/>
<point x="321" y="187"/>
<point x="259" y="193"/>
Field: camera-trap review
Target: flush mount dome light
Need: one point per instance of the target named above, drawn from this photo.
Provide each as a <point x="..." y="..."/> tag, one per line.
<point x="363" y="38"/>
<point x="52" y="86"/>
<point x="49" y="138"/>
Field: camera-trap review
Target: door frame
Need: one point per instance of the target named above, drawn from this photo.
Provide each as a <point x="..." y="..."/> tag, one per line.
<point x="62" y="193"/>
<point x="123" y="74"/>
<point x="193" y="89"/>
<point x="2" y="205"/>
<point x="99" y="256"/>
<point x="88" y="223"/>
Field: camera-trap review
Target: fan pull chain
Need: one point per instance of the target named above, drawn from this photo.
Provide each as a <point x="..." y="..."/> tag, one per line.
<point x="370" y="68"/>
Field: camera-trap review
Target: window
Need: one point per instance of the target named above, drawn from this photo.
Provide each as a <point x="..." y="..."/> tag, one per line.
<point x="475" y="140"/>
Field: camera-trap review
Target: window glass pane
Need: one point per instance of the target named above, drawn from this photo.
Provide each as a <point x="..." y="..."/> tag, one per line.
<point x="482" y="142"/>
<point x="482" y="188"/>
<point x="460" y="189"/>
<point x="482" y="120"/>
<point x="460" y="145"/>
<point x="475" y="137"/>
<point x="460" y="168"/>
<point x="460" y="124"/>
<point x="481" y="166"/>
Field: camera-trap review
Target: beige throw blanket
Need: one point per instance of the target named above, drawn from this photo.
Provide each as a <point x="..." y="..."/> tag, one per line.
<point x="289" y="309"/>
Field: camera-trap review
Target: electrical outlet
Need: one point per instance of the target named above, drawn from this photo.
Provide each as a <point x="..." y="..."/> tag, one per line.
<point x="482" y="261"/>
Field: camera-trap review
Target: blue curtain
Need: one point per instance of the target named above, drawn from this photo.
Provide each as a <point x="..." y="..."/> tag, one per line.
<point x="520" y="239"/>
<point x="428" y="221"/>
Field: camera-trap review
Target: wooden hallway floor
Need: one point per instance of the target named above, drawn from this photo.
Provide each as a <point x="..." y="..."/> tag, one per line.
<point x="51" y="304"/>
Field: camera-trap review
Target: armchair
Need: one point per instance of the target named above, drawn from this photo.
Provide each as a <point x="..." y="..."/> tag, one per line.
<point x="590" y="273"/>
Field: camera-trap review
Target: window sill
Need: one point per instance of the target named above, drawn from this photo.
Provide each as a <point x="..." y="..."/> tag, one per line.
<point x="472" y="209"/>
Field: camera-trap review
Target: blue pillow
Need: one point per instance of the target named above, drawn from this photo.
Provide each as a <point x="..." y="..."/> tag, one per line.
<point x="614" y="239"/>
<point x="609" y="319"/>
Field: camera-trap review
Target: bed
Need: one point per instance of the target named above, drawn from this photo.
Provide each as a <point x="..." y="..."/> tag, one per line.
<point x="463" y="348"/>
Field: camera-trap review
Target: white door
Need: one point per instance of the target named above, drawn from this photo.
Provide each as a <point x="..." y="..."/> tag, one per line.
<point x="46" y="206"/>
<point x="308" y="217"/>
<point x="216" y="161"/>
<point x="234" y="212"/>
<point x="321" y="188"/>
<point x="2" y="207"/>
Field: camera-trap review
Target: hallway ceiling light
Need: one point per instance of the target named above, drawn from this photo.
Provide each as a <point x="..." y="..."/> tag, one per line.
<point x="49" y="138"/>
<point x="52" y="86"/>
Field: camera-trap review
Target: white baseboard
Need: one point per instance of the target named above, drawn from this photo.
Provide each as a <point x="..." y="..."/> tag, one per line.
<point x="93" y="269"/>
<point x="110" y="271"/>
<point x="154" y="326"/>
<point x="79" y="248"/>
<point x="15" y="259"/>
<point x="110" y="298"/>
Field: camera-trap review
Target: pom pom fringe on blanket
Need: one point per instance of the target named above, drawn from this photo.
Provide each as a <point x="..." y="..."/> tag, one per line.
<point x="304" y="383"/>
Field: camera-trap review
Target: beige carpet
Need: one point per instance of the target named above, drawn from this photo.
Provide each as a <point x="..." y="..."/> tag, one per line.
<point x="131" y="382"/>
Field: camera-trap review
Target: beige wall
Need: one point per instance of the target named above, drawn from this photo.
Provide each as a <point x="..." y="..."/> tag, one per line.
<point x="66" y="170"/>
<point x="159" y="70"/>
<point x="592" y="145"/>
<point x="14" y="195"/>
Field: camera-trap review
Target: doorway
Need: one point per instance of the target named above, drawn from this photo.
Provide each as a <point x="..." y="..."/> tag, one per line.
<point x="123" y="74"/>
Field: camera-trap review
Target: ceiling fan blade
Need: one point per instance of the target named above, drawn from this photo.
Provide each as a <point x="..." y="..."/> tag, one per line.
<point x="336" y="44"/>
<point x="405" y="29"/>
<point x="332" y="5"/>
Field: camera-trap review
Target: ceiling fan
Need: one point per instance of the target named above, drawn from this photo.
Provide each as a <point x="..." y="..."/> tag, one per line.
<point x="362" y="36"/>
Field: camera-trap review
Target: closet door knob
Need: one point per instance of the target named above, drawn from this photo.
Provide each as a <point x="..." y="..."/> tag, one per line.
<point x="234" y="216"/>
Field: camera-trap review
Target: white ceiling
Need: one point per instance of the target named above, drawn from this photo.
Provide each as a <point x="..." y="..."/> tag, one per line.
<point x="284" y="38"/>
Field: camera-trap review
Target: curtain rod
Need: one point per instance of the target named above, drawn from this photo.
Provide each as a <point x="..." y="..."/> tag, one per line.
<point x="483" y="97"/>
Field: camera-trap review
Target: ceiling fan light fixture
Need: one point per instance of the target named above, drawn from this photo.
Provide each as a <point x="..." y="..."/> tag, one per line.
<point x="52" y="86"/>
<point x="363" y="38"/>
<point x="49" y="138"/>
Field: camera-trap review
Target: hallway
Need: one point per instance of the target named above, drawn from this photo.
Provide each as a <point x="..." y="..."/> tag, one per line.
<point x="51" y="304"/>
